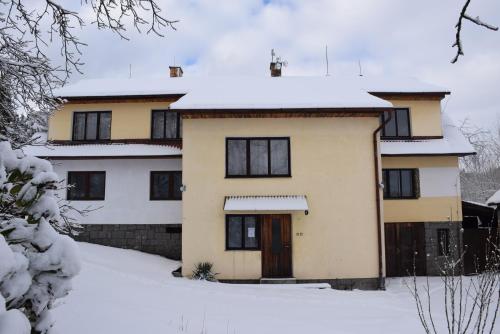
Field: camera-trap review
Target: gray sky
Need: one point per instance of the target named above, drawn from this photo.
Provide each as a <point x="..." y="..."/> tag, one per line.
<point x="389" y="37"/>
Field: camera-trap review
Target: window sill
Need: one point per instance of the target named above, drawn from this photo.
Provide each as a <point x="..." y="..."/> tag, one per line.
<point x="397" y="138"/>
<point x="165" y="199"/>
<point x="85" y="199"/>
<point x="401" y="198"/>
<point x="256" y="176"/>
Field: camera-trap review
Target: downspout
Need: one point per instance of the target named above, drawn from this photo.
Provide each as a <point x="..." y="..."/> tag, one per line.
<point x="381" y="282"/>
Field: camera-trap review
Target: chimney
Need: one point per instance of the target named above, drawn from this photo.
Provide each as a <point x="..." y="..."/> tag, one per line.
<point x="175" y="71"/>
<point x="276" y="64"/>
<point x="275" y="68"/>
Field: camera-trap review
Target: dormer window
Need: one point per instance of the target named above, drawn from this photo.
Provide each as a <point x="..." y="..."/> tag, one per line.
<point x="94" y="125"/>
<point x="165" y="124"/>
<point x="398" y="126"/>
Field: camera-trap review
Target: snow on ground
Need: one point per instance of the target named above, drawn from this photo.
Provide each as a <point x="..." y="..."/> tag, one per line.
<point x="124" y="291"/>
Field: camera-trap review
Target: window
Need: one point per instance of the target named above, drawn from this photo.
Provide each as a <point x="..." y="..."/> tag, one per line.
<point x="399" y="124"/>
<point x="166" y="185"/>
<point x="242" y="232"/>
<point x="257" y="157"/>
<point x="443" y="241"/>
<point x="95" y="125"/>
<point x="400" y="183"/>
<point x="86" y="186"/>
<point x="165" y="124"/>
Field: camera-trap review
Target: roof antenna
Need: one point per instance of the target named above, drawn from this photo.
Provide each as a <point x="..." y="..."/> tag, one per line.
<point x="130" y="71"/>
<point x="326" y="56"/>
<point x="360" y="68"/>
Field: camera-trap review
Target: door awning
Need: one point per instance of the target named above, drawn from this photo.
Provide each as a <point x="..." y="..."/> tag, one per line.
<point x="266" y="203"/>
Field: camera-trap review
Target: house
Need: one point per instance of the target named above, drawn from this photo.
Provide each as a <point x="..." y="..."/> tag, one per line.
<point x="313" y="179"/>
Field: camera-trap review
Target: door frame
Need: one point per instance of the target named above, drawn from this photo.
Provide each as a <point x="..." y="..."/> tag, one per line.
<point x="287" y="218"/>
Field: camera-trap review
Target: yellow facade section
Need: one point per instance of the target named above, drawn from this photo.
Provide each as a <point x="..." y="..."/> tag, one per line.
<point x="130" y="120"/>
<point x="425" y="116"/>
<point x="423" y="209"/>
<point x="419" y="162"/>
<point x="331" y="163"/>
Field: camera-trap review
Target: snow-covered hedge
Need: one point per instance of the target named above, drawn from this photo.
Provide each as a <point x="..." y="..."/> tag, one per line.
<point x="36" y="262"/>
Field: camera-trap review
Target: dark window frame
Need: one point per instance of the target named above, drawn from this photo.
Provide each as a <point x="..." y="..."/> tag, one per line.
<point x="395" y="116"/>
<point x="443" y="245"/>
<point x="87" y="196"/>
<point x="171" y="192"/>
<point x="248" y="158"/>
<point x="178" y="134"/>
<point x="258" y="220"/>
<point x="98" y="125"/>
<point x="415" y="185"/>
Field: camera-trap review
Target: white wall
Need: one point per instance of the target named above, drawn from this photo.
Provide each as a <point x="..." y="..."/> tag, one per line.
<point x="127" y="191"/>
<point x="439" y="181"/>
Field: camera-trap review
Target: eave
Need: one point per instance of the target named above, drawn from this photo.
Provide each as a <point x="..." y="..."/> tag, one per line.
<point x="438" y="96"/>
<point x="121" y="98"/>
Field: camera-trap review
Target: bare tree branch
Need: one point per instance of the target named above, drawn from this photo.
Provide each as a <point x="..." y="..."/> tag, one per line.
<point x="482" y="292"/>
<point x="28" y="76"/>
<point x="458" y="26"/>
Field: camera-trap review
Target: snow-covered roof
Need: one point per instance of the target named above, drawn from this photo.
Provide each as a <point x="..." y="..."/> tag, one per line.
<point x="395" y="84"/>
<point x="478" y="204"/>
<point x="266" y="203"/>
<point x="453" y="142"/>
<point x="102" y="150"/>
<point x="495" y="199"/>
<point x="280" y="93"/>
<point x="239" y="92"/>
<point x="127" y="87"/>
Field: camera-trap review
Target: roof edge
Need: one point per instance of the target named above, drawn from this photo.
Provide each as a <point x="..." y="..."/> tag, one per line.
<point x="281" y="113"/>
<point x="111" y="157"/>
<point x="454" y="154"/>
<point x="105" y="98"/>
<point x="438" y="95"/>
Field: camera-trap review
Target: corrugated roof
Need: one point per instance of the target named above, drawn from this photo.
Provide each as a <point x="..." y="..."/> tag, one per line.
<point x="266" y="203"/>
<point x="102" y="150"/>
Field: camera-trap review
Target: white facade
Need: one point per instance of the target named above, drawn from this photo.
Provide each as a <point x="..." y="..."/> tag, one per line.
<point x="127" y="191"/>
<point x="439" y="181"/>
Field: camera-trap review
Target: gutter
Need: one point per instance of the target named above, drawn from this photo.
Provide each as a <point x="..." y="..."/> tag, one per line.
<point x="381" y="281"/>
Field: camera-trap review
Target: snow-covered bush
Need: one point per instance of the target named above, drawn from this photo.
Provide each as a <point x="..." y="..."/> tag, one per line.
<point x="36" y="262"/>
<point x="204" y="271"/>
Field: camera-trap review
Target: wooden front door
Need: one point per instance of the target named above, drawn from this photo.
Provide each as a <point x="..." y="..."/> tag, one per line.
<point x="405" y="249"/>
<point x="276" y="246"/>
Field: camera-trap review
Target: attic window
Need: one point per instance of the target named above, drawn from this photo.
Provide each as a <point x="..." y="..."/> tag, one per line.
<point x="95" y="125"/>
<point x="398" y="126"/>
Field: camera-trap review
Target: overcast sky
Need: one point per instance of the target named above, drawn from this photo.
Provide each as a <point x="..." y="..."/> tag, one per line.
<point x="388" y="37"/>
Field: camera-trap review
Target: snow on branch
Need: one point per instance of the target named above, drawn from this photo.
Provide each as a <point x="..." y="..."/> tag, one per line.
<point x="458" y="26"/>
<point x="29" y="30"/>
<point x="52" y="21"/>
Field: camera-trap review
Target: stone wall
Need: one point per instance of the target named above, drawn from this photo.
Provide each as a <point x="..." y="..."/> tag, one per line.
<point x="434" y="260"/>
<point x="164" y="240"/>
